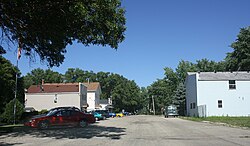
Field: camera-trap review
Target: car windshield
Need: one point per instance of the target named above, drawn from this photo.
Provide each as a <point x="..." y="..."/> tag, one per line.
<point x="51" y="112"/>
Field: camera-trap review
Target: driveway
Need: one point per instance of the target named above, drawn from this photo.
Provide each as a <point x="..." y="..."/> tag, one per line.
<point x="133" y="131"/>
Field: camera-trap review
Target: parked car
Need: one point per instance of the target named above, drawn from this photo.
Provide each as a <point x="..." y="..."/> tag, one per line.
<point x="61" y="116"/>
<point x="97" y="116"/>
<point x="119" y="115"/>
<point x="112" y="115"/>
<point x="104" y="113"/>
<point x="171" y="111"/>
<point x="126" y="114"/>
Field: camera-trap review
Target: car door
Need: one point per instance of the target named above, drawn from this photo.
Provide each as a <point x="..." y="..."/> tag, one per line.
<point x="57" y="118"/>
<point x="66" y="117"/>
<point x="75" y="117"/>
<point x="60" y="118"/>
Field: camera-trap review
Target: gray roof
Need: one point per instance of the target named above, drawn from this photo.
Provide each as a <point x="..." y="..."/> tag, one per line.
<point x="221" y="76"/>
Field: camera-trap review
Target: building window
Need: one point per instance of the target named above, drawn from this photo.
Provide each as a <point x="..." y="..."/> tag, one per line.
<point x="219" y="103"/>
<point x="55" y="98"/>
<point x="232" y="84"/>
<point x="194" y="105"/>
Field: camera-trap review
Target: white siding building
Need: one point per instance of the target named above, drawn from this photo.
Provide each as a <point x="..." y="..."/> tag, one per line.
<point x="93" y="95"/>
<point x="85" y="96"/>
<point x="218" y="94"/>
<point x="47" y="96"/>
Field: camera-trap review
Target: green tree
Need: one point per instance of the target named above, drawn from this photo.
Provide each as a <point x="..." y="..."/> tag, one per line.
<point x="239" y="59"/>
<point x="37" y="75"/>
<point x="78" y="75"/>
<point x="162" y="93"/>
<point x="8" y="116"/>
<point x="106" y="84"/>
<point x="144" y="101"/>
<point x="205" y="65"/>
<point x="7" y="83"/>
<point x="179" y="98"/>
<point x="48" y="26"/>
<point x="182" y="69"/>
<point x="125" y="94"/>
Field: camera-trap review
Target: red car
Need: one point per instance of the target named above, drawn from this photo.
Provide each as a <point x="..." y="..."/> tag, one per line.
<point x="61" y="116"/>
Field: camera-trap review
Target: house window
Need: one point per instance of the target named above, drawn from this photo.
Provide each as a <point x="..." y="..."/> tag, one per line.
<point x="55" y="98"/>
<point x="192" y="105"/>
<point x="232" y="84"/>
<point x="219" y="103"/>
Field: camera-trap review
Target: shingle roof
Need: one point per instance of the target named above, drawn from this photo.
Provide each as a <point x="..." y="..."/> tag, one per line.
<point x="92" y="86"/>
<point x="61" y="87"/>
<point x="218" y="76"/>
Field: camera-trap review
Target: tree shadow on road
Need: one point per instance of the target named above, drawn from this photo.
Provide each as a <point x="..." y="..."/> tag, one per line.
<point x="8" y="144"/>
<point x="71" y="132"/>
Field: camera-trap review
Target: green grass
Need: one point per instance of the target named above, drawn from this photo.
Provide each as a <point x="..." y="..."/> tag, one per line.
<point x="234" y="121"/>
<point x="9" y="128"/>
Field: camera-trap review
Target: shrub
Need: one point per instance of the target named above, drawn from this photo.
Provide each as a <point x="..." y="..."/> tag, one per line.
<point x="8" y="115"/>
<point x="44" y="111"/>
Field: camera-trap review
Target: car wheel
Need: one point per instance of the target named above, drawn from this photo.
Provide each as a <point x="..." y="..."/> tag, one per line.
<point x="43" y="125"/>
<point x="83" y="123"/>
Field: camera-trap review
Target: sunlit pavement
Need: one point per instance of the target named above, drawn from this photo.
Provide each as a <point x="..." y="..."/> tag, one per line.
<point x="133" y="130"/>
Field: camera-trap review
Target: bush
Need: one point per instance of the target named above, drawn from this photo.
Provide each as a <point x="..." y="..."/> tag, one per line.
<point x="27" y="115"/>
<point x="44" y="111"/>
<point x="8" y="115"/>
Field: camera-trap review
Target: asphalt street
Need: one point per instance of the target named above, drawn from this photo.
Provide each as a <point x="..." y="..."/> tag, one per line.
<point x="134" y="131"/>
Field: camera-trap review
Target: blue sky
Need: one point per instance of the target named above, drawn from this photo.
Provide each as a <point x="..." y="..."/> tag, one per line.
<point x="159" y="34"/>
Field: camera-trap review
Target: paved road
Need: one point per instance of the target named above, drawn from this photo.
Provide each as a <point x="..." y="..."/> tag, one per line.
<point x="134" y="131"/>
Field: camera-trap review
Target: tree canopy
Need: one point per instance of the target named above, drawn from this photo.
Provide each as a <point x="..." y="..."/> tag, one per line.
<point x="36" y="76"/>
<point x="239" y="59"/>
<point x="48" y="26"/>
<point x="7" y="83"/>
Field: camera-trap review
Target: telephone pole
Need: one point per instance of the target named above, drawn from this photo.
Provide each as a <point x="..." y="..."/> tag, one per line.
<point x="153" y="103"/>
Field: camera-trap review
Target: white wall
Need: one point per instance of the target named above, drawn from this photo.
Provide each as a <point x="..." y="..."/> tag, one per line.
<point x="40" y="101"/>
<point x="191" y="94"/>
<point x="91" y="100"/>
<point x="234" y="102"/>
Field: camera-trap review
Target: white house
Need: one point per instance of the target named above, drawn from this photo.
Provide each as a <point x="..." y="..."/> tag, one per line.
<point x="218" y="94"/>
<point x="85" y="96"/>
<point x="93" y="95"/>
<point x="47" y="96"/>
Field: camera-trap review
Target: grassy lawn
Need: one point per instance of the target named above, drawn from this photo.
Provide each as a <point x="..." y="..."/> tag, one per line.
<point x="9" y="128"/>
<point x="235" y="121"/>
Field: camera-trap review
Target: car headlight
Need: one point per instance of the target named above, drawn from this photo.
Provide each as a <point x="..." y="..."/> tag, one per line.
<point x="32" y="120"/>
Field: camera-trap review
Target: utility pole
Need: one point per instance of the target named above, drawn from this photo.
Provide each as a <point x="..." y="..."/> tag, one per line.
<point x="153" y="103"/>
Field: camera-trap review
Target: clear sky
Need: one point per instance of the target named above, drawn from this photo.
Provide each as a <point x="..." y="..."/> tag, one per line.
<point x="159" y="34"/>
